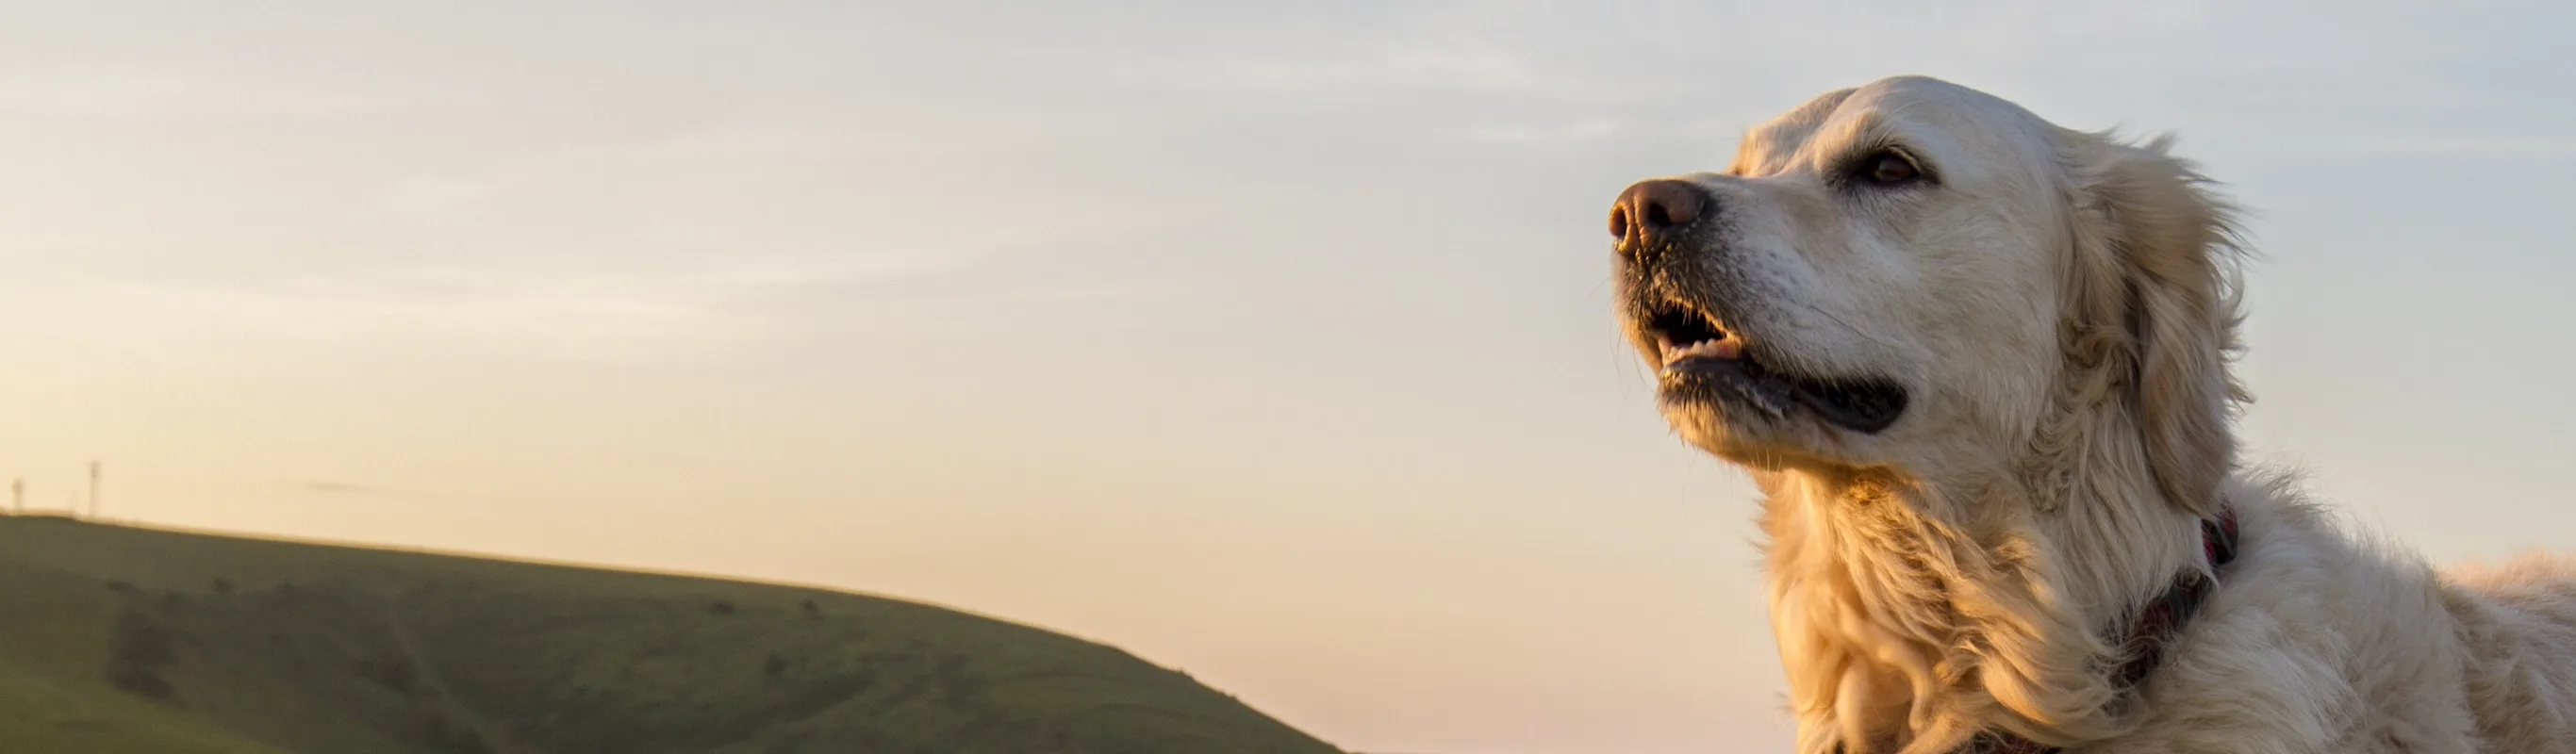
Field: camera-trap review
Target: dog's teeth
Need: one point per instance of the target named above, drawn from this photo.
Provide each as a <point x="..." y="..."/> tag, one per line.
<point x="1723" y="348"/>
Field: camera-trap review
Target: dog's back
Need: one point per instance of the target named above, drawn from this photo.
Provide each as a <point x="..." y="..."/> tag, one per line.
<point x="2517" y="623"/>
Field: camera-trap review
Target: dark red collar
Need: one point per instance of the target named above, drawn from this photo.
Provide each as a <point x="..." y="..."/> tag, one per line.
<point x="2155" y="628"/>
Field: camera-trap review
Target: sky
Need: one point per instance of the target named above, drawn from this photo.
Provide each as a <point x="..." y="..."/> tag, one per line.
<point x="1269" y="341"/>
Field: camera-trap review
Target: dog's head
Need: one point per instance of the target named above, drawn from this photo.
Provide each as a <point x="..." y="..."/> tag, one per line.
<point x="1918" y="278"/>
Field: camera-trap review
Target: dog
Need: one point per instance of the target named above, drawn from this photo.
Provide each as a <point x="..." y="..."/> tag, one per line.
<point x="1978" y="365"/>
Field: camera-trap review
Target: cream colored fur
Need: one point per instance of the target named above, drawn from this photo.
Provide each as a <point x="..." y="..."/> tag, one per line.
<point x="2061" y="306"/>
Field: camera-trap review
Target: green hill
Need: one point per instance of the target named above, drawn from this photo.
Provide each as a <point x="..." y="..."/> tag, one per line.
<point x="140" y="641"/>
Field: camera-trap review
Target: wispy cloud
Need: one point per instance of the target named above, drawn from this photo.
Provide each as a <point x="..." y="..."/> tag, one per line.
<point x="625" y="315"/>
<point x="2472" y="146"/>
<point x="1586" y="130"/>
<point x="329" y="487"/>
<point x="1414" y="65"/>
<point x="174" y="94"/>
<point x="555" y="313"/>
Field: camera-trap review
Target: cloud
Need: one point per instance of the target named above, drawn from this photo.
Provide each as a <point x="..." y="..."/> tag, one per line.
<point x="554" y="313"/>
<point x="2464" y="146"/>
<point x="1590" y="129"/>
<point x="1414" y="65"/>
<point x="169" y="94"/>
<point x="328" y="487"/>
<point x="558" y="314"/>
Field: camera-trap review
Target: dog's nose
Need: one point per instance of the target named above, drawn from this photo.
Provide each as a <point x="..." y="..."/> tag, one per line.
<point x="1655" y="212"/>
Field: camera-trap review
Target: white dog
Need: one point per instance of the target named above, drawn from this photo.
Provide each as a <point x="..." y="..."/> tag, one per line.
<point x="1979" y="365"/>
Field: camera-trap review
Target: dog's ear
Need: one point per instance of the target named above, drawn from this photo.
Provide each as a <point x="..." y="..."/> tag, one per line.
<point x="2156" y="307"/>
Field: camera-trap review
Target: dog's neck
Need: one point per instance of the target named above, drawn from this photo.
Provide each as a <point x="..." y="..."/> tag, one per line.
<point x="1917" y="615"/>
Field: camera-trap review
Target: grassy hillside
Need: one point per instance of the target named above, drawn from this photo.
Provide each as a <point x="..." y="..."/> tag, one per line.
<point x="139" y="641"/>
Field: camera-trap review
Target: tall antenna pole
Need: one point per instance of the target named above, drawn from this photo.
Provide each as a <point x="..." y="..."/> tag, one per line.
<point x="93" y="489"/>
<point x="18" y="494"/>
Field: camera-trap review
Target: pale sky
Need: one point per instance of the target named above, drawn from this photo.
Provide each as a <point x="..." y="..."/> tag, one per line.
<point x="1270" y="341"/>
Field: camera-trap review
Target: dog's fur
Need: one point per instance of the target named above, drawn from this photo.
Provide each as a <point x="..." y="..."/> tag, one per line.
<point x="2060" y="307"/>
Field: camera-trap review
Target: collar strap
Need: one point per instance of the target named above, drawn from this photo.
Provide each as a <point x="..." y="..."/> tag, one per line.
<point x="2153" y="629"/>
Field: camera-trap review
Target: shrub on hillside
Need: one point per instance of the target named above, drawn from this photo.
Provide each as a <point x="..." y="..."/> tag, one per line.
<point x="138" y="649"/>
<point x="454" y="738"/>
<point x="396" y="674"/>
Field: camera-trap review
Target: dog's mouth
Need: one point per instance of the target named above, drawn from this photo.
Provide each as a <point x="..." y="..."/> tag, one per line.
<point x="1704" y="361"/>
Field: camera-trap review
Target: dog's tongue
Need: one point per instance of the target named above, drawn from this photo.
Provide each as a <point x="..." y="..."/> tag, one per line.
<point x="1728" y="349"/>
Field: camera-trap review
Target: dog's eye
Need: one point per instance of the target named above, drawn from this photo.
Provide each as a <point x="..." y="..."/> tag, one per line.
<point x="1890" y="168"/>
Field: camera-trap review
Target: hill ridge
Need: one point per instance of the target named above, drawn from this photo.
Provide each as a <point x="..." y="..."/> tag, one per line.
<point x="157" y="639"/>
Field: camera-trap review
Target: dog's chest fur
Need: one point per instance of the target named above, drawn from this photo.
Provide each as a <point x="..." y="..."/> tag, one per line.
<point x="1896" y="631"/>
